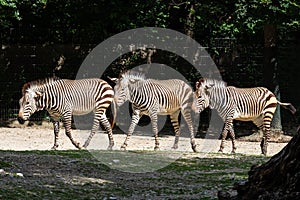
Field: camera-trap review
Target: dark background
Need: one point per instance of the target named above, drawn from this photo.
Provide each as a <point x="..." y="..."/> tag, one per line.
<point x="253" y="43"/>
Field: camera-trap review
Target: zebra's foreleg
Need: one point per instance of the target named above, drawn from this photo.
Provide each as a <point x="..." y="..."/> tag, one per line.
<point x="134" y="122"/>
<point x="227" y="125"/>
<point x="174" y="121"/>
<point x="56" y="134"/>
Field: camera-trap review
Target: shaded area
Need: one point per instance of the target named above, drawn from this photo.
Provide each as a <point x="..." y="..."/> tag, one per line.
<point x="76" y="174"/>
<point x="279" y="178"/>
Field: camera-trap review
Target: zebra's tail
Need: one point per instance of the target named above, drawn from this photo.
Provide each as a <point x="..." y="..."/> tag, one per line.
<point x="288" y="106"/>
<point x="113" y="119"/>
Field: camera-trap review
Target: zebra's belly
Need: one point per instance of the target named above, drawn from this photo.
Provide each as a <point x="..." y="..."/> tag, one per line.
<point x="164" y="111"/>
<point x="81" y="112"/>
<point x="244" y="117"/>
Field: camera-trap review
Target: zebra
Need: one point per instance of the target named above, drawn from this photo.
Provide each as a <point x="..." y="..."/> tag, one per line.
<point x="63" y="98"/>
<point x="155" y="97"/>
<point x="256" y="104"/>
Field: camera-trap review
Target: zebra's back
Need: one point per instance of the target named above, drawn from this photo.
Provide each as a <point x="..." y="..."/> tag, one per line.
<point x="249" y="103"/>
<point x="170" y="94"/>
<point x="83" y="95"/>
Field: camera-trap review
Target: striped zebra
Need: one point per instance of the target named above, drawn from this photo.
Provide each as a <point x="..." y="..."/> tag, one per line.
<point x="256" y="104"/>
<point x="63" y="98"/>
<point x="155" y="97"/>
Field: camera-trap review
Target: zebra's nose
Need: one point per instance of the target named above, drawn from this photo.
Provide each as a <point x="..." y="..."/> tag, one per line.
<point x="20" y="118"/>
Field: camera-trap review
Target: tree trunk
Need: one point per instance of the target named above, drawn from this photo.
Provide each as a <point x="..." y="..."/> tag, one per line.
<point x="270" y="69"/>
<point x="190" y="20"/>
<point x="279" y="178"/>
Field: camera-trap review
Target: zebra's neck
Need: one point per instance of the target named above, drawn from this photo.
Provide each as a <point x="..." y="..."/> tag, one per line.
<point x="218" y="99"/>
<point x="134" y="91"/>
<point x="50" y="98"/>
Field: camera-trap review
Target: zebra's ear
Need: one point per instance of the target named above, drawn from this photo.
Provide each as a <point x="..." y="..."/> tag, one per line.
<point x="38" y="93"/>
<point x="197" y="84"/>
<point x="208" y="87"/>
<point x="113" y="79"/>
<point x="132" y="81"/>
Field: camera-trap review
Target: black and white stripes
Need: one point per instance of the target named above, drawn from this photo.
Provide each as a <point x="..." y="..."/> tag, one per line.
<point x="63" y="98"/>
<point x="155" y="97"/>
<point x="256" y="104"/>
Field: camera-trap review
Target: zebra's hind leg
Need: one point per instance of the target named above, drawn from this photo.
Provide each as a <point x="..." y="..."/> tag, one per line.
<point x="232" y="136"/>
<point x="174" y="121"/>
<point x="267" y="119"/>
<point x="264" y="142"/>
<point x="56" y="134"/>
<point x="188" y="118"/>
<point x="67" y="124"/>
<point x="153" y="117"/>
<point x="104" y="121"/>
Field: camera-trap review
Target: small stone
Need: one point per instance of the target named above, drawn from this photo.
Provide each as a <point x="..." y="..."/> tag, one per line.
<point x="19" y="175"/>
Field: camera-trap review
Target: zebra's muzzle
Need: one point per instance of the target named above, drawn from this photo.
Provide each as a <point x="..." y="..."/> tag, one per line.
<point x="21" y="120"/>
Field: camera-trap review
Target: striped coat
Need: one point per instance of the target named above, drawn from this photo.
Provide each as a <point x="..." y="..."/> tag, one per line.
<point x="256" y="104"/>
<point x="63" y="98"/>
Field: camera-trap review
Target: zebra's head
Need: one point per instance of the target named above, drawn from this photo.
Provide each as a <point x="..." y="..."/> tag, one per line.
<point x="124" y="84"/>
<point x="121" y="91"/>
<point x="202" y="95"/>
<point x="28" y="104"/>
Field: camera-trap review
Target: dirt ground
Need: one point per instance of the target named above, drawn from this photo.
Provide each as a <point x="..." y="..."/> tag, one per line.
<point x="37" y="138"/>
<point x="46" y="175"/>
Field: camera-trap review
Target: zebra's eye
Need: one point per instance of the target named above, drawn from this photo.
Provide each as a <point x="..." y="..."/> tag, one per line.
<point x="27" y="103"/>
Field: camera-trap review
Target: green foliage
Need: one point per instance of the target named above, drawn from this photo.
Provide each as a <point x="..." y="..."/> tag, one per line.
<point x="46" y="23"/>
<point x="234" y="19"/>
<point x="252" y="15"/>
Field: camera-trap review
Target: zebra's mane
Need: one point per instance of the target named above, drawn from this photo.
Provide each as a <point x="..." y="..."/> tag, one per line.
<point x="37" y="83"/>
<point x="134" y="75"/>
<point x="214" y="82"/>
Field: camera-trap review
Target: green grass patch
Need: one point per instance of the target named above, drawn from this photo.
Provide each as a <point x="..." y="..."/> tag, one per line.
<point x="4" y="164"/>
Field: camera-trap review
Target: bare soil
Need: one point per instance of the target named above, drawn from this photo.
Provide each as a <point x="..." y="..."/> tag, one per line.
<point x="40" y="137"/>
<point x="46" y="171"/>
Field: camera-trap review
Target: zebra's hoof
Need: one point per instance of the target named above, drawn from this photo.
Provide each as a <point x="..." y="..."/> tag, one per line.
<point x="194" y="147"/>
<point x="220" y="151"/>
<point x="54" y="147"/>
<point x="123" y="148"/>
<point x="84" y="146"/>
<point x="175" y="147"/>
<point x="233" y="151"/>
<point x="109" y="148"/>
<point x="156" y="148"/>
<point x="78" y="146"/>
